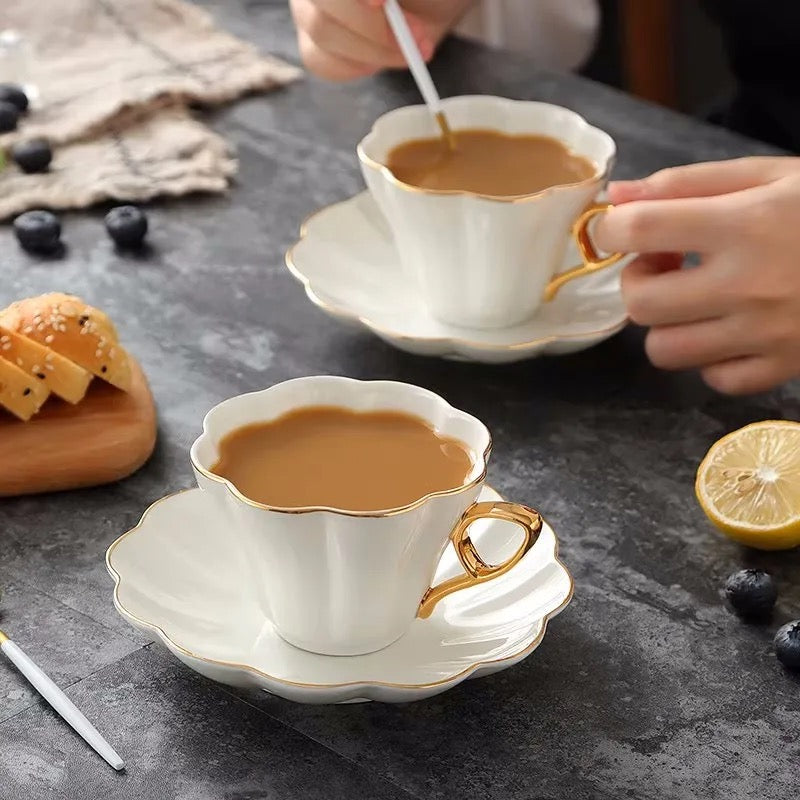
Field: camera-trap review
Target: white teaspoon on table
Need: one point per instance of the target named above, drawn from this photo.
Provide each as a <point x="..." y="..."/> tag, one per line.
<point x="60" y="702"/>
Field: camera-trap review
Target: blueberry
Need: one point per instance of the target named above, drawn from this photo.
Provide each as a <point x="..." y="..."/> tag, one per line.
<point x="32" y="156"/>
<point x="787" y="644"/>
<point x="11" y="93"/>
<point x="126" y="225"/>
<point x="9" y="116"/>
<point x="38" y="231"/>
<point x="751" y="593"/>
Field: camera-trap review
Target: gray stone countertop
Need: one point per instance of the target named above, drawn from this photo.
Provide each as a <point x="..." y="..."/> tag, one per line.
<point x="645" y="687"/>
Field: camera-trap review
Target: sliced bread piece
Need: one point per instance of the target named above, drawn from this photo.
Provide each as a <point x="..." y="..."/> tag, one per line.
<point x="62" y="377"/>
<point x="20" y="392"/>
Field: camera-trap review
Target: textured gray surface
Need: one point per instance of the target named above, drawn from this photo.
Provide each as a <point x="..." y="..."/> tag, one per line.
<point x="644" y="687"/>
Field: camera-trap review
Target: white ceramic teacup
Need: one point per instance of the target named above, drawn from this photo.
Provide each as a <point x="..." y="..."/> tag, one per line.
<point x="481" y="261"/>
<point x="344" y="582"/>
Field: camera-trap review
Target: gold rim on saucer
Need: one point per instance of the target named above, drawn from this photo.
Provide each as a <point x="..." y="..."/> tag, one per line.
<point x="172" y="644"/>
<point x="448" y="341"/>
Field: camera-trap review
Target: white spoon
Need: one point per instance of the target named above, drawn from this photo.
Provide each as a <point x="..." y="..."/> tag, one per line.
<point x="416" y="63"/>
<point x="60" y="702"/>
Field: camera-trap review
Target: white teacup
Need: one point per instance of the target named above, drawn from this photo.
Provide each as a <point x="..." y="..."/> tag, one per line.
<point x="346" y="582"/>
<point x="482" y="261"/>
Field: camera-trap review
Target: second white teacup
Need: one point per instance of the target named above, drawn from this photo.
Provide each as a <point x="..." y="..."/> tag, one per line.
<point x="482" y="261"/>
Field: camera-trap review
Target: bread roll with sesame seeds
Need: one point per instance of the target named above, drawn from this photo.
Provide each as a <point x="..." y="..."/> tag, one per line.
<point x="70" y="328"/>
<point x="61" y="376"/>
<point x="20" y="393"/>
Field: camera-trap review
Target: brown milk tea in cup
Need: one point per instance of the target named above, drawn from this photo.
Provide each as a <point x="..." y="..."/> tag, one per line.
<point x="337" y="458"/>
<point x="488" y="162"/>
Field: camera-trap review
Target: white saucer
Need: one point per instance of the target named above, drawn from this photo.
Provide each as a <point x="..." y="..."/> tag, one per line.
<point x="347" y="262"/>
<point x="178" y="575"/>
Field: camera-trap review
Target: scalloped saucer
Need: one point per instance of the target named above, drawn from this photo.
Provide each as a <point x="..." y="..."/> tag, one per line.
<point x="178" y="577"/>
<point x="347" y="261"/>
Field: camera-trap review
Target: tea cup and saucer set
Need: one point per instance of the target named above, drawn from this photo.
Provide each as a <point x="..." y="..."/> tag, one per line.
<point x="324" y="600"/>
<point x="460" y="275"/>
<point x="319" y="604"/>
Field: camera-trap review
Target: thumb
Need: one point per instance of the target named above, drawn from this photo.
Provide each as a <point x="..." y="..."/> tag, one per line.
<point x="700" y="180"/>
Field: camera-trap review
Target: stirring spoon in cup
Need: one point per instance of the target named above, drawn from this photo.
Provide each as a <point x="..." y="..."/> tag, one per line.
<point x="416" y="63"/>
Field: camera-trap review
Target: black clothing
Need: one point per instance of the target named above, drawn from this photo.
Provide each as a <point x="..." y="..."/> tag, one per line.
<point x="763" y="43"/>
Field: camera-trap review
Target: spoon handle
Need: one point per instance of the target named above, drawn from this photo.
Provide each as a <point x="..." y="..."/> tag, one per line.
<point x="416" y="63"/>
<point x="60" y="702"/>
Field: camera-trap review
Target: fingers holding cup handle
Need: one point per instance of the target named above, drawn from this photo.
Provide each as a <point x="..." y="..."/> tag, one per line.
<point x="476" y="570"/>
<point x="592" y="260"/>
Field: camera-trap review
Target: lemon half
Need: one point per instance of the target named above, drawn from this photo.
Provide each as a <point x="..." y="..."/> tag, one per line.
<point x="749" y="485"/>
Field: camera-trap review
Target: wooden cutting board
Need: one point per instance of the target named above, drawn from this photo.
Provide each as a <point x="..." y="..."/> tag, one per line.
<point x="105" y="437"/>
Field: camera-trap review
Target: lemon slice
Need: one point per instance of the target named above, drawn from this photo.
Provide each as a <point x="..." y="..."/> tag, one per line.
<point x="749" y="485"/>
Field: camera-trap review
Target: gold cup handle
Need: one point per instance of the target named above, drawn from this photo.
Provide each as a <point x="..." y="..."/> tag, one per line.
<point x="476" y="569"/>
<point x="592" y="260"/>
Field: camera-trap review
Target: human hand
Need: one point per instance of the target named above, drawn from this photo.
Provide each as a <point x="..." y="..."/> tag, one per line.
<point x="346" y="39"/>
<point x="736" y="316"/>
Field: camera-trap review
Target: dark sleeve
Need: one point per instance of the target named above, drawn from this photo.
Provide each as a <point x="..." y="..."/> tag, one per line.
<point x="762" y="39"/>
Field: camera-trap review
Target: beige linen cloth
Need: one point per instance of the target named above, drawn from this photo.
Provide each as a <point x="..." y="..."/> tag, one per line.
<point x="114" y="77"/>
